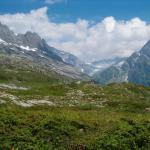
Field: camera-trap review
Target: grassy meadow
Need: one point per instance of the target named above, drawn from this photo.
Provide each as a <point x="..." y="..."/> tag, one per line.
<point x="55" y="114"/>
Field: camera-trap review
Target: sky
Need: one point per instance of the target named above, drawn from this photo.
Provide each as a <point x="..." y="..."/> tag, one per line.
<point x="89" y="29"/>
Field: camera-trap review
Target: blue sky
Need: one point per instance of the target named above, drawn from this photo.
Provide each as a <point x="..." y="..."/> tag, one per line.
<point x="87" y="9"/>
<point x="89" y="29"/>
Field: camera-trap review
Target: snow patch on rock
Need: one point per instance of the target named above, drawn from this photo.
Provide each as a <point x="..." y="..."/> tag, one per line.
<point x="120" y="64"/>
<point x="3" y="42"/>
<point x="28" y="48"/>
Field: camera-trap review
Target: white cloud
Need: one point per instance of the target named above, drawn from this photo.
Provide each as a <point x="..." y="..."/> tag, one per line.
<point x="104" y="39"/>
<point x="51" y="2"/>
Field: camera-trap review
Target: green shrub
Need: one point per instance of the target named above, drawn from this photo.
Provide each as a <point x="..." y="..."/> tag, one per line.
<point x="135" y="136"/>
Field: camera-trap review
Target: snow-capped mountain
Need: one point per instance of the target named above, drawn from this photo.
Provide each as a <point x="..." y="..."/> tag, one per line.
<point x="31" y="50"/>
<point x="32" y="44"/>
<point x="135" y="69"/>
<point x="31" y="47"/>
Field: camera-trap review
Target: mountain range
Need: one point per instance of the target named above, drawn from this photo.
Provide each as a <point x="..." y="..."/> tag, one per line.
<point x="30" y="52"/>
<point x="31" y="49"/>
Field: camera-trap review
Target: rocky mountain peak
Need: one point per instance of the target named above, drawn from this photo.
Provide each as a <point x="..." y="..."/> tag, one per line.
<point x="6" y="34"/>
<point x="30" y="39"/>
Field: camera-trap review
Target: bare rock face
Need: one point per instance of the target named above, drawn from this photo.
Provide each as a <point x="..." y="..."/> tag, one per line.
<point x="6" y="34"/>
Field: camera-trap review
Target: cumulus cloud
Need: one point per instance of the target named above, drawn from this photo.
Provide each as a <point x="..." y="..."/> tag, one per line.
<point x="51" y="2"/>
<point x="89" y="41"/>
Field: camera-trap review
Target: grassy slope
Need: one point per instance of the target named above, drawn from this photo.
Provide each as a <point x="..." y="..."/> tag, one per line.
<point x="90" y="117"/>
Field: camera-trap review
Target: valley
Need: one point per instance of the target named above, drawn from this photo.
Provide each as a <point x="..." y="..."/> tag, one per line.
<point x="42" y="113"/>
<point x="49" y="100"/>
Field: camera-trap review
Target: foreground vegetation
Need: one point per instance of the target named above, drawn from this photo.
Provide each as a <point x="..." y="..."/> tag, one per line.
<point x="43" y="113"/>
<point x="72" y="128"/>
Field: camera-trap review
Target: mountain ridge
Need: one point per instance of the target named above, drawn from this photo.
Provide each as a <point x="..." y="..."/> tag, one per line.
<point x="31" y="46"/>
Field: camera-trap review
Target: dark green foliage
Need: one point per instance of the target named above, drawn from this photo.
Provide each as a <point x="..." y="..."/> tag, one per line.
<point x="30" y="131"/>
<point x="132" y="135"/>
<point x="50" y="128"/>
